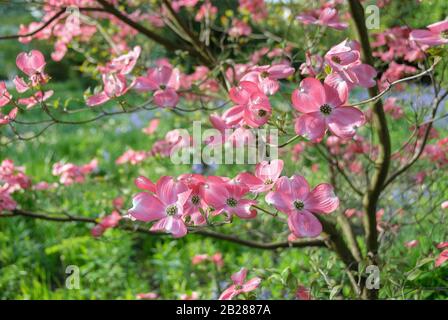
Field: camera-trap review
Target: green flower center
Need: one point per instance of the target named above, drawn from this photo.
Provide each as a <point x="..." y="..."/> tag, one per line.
<point x="171" y="210"/>
<point x="231" y="202"/>
<point x="444" y="34"/>
<point x="325" y="109"/>
<point x="264" y="74"/>
<point x="268" y="181"/>
<point x="162" y="87"/>
<point x="195" y="199"/>
<point x="299" y="205"/>
<point x="238" y="287"/>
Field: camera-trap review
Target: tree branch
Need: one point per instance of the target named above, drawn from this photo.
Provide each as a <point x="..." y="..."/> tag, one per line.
<point x="140" y="28"/>
<point x="302" y="243"/>
<point x="382" y="162"/>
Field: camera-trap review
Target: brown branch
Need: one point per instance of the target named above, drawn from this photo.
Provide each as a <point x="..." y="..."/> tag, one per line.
<point x="394" y="83"/>
<point x="418" y="154"/>
<point x="140" y="28"/>
<point x="319" y="242"/>
<point x="46" y="24"/>
<point x="382" y="162"/>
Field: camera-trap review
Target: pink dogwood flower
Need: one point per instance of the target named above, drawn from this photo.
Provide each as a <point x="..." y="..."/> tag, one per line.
<point x="5" y="119"/>
<point x="32" y="64"/>
<point x="123" y="64"/>
<point x="294" y="197"/>
<point x="228" y="197"/>
<point x="252" y="105"/>
<point x="165" y="206"/>
<point x="347" y="69"/>
<point x="436" y="34"/>
<point x="327" y="17"/>
<point x="240" y="285"/>
<point x="322" y="108"/>
<point x="164" y="81"/>
<point x="5" y="96"/>
<point x="6" y="201"/>
<point x="266" y="77"/>
<point x="114" y="86"/>
<point x="266" y="175"/>
<point x="195" y="203"/>
<point x="239" y="28"/>
<point x="312" y="66"/>
<point x="199" y="258"/>
<point x="132" y="157"/>
<point x="107" y="222"/>
<point x="152" y="127"/>
<point x="70" y="173"/>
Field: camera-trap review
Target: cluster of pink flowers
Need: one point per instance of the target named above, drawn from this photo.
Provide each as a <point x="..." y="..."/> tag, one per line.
<point x="215" y="258"/>
<point x="109" y="221"/>
<point x="166" y="82"/>
<point x="256" y="8"/>
<point x="63" y="29"/>
<point x="207" y="11"/>
<point x="437" y="152"/>
<point x="70" y="173"/>
<point x="12" y="179"/>
<point x="326" y="16"/>
<point x="172" y="141"/>
<point x="252" y="106"/>
<point x="394" y="44"/>
<point x="192" y="199"/>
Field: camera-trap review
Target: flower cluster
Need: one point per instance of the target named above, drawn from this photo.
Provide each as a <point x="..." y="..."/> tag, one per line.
<point x="12" y="179"/>
<point x="192" y="199"/>
<point x="70" y="173"/>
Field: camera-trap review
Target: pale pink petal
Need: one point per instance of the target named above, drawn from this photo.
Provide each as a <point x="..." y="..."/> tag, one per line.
<point x="228" y="294"/>
<point x="144" y="183"/>
<point x="167" y="189"/>
<point x="97" y="99"/>
<point x="31" y="62"/>
<point x="309" y="96"/>
<point x="269" y="171"/>
<point x="343" y="121"/>
<point x="251" y="285"/>
<point x="173" y="225"/>
<point x="21" y="85"/>
<point x="167" y="98"/>
<point x="442" y="258"/>
<point x="311" y="126"/>
<point x="146" y="207"/>
<point x="322" y="199"/>
<point x="239" y="277"/>
<point x="304" y="224"/>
